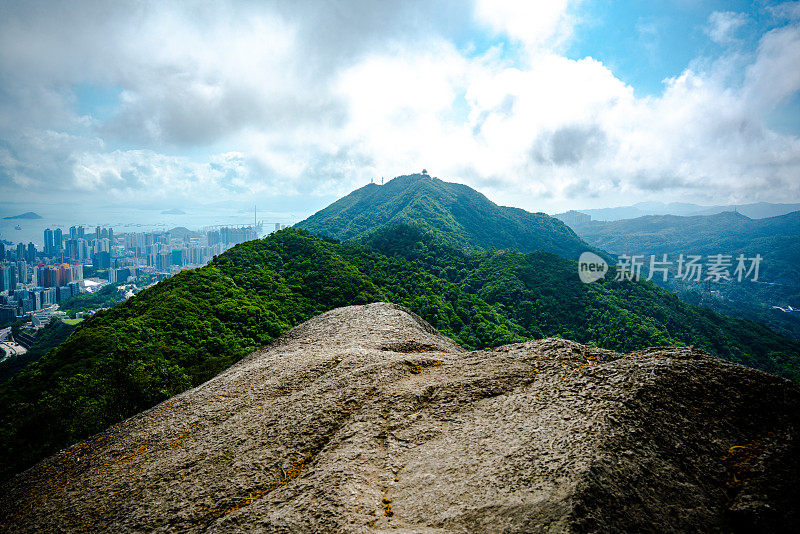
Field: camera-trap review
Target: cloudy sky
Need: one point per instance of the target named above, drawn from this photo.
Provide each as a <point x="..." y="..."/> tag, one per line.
<point x="545" y="105"/>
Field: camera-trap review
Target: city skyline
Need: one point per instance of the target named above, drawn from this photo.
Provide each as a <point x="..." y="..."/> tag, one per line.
<point x="33" y="282"/>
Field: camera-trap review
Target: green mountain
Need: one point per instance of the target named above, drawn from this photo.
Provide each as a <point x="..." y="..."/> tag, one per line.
<point x="188" y="328"/>
<point x="464" y="216"/>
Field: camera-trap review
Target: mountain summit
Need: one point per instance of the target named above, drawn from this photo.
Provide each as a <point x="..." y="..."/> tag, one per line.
<point x="365" y="418"/>
<point x="457" y="212"/>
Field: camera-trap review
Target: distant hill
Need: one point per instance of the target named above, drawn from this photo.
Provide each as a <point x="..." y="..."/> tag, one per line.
<point x="182" y="232"/>
<point x="459" y="213"/>
<point x="173" y="211"/>
<point x="757" y="210"/>
<point x="26" y="215"/>
<point x="703" y="233"/>
<point x="776" y="239"/>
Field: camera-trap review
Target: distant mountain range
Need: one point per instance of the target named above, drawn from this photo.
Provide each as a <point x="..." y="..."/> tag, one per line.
<point x="705" y="234"/>
<point x="776" y="239"/>
<point x="26" y="215"/>
<point x="757" y="210"/>
<point x="457" y="212"/>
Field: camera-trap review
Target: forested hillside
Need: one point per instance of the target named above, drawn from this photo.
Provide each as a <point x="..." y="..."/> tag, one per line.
<point x="541" y="293"/>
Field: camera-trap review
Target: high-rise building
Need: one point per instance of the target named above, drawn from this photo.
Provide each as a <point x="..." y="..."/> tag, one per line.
<point x="7" y="313"/>
<point x="2" y="251"/>
<point x="81" y="233"/>
<point x="49" y="248"/>
<point x="8" y="276"/>
<point x="64" y="274"/>
<point x="119" y="275"/>
<point x="20" y="251"/>
<point x="30" y="256"/>
<point x="22" y="271"/>
<point x="45" y="276"/>
<point x="73" y="232"/>
<point x="58" y="241"/>
<point x="77" y="272"/>
<point x="64" y="292"/>
<point x="101" y="260"/>
<point x="49" y="296"/>
<point x="72" y="248"/>
<point x="82" y="249"/>
<point x="102" y="245"/>
<point x="163" y="261"/>
<point x="179" y="257"/>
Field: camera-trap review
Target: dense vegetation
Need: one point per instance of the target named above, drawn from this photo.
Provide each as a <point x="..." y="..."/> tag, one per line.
<point x="458" y="213"/>
<point x="104" y="298"/>
<point x="188" y="328"/>
<point x="541" y="294"/>
<point x="785" y="324"/>
<point x="94" y="272"/>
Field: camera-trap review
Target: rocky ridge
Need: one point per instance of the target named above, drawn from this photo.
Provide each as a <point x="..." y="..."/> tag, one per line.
<point x="366" y="419"/>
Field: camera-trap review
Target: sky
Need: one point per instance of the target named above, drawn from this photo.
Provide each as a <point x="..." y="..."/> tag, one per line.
<point x="545" y="105"/>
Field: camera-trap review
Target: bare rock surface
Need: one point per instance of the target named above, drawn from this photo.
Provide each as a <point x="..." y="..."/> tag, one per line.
<point x="366" y="419"/>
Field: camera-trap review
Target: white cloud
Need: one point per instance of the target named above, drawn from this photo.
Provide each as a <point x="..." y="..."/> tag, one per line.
<point x="235" y="100"/>
<point x="774" y="76"/>
<point x="786" y="10"/>
<point x="570" y="131"/>
<point x="722" y="26"/>
<point x="535" y="24"/>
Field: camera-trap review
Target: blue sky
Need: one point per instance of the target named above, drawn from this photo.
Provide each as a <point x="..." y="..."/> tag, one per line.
<point x="543" y="105"/>
<point x="645" y="43"/>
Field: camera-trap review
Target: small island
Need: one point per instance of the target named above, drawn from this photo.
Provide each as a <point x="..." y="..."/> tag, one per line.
<point x="173" y="211"/>
<point x="26" y="215"/>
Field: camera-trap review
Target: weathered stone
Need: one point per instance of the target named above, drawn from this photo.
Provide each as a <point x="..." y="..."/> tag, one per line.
<point x="367" y="419"/>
